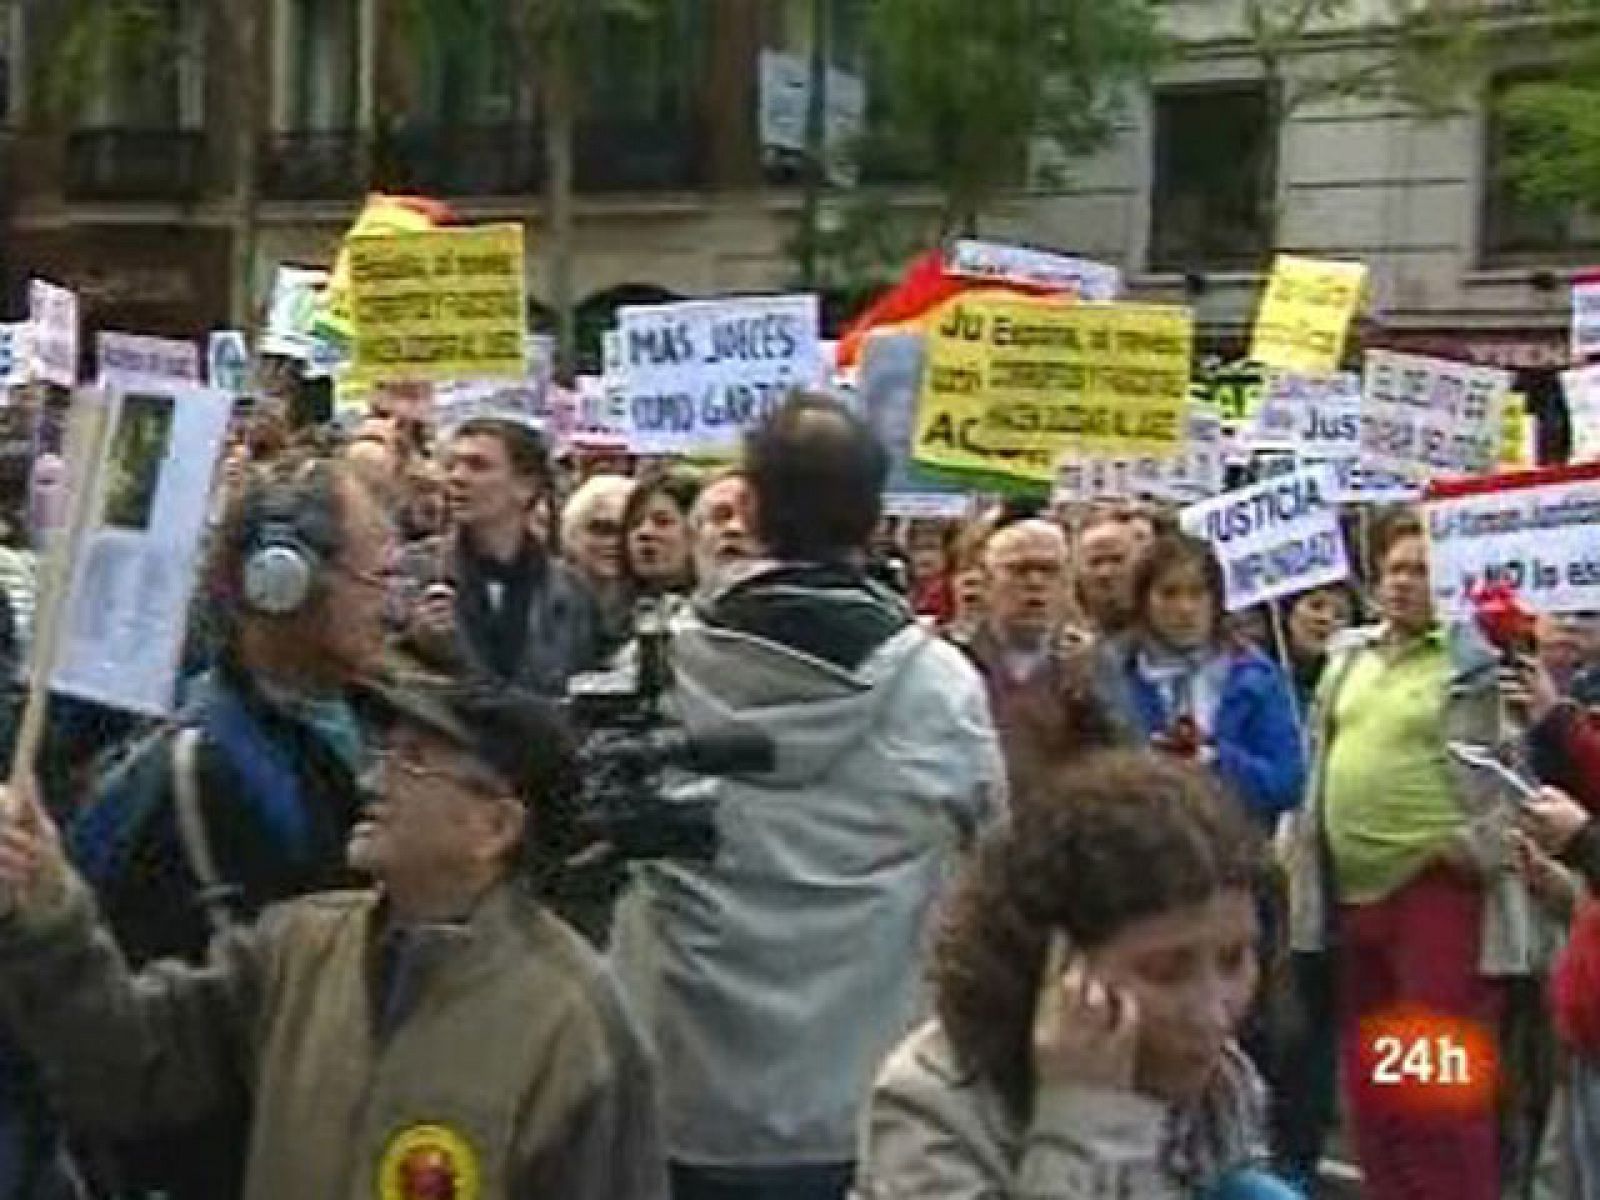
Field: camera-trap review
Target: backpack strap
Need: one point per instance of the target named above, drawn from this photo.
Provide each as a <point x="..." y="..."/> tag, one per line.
<point x="214" y="894"/>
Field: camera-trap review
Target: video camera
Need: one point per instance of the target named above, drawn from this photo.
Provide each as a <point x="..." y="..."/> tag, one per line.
<point x="629" y="745"/>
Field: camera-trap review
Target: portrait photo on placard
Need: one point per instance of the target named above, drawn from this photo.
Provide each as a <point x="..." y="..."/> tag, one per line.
<point x="138" y="450"/>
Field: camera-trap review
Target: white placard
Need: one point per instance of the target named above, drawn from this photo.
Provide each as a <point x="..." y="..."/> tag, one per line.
<point x="1428" y="418"/>
<point x="1582" y="388"/>
<point x="228" y="361"/>
<point x="1312" y="417"/>
<point x="1537" y="530"/>
<point x="296" y="292"/>
<point x="1199" y="470"/>
<point x="697" y="375"/>
<point x="1274" y="538"/>
<point x="150" y="357"/>
<point x="16" y="353"/>
<point x="1093" y="282"/>
<point x="53" y="313"/>
<point x="602" y="420"/>
<point x="127" y="610"/>
<point x="454" y="404"/>
<point x="1585" y="320"/>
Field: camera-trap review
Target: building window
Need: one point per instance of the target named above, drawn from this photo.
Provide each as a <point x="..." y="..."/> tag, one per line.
<point x="1214" y="167"/>
<point x="324" y="39"/>
<point x="1517" y="229"/>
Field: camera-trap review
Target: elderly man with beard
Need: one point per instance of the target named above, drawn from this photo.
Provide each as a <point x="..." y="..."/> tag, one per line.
<point x="441" y="1035"/>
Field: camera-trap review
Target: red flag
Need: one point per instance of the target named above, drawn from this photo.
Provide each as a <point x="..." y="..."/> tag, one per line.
<point x="924" y="287"/>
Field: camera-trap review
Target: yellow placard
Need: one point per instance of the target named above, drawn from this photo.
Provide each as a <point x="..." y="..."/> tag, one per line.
<point x="380" y="215"/>
<point x="441" y="305"/>
<point x="1516" y="432"/>
<point x="1011" y="384"/>
<point x="1306" y="313"/>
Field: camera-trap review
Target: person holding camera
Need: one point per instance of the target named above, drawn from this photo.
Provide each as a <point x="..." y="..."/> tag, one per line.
<point x="439" y="1035"/>
<point x="775" y="977"/>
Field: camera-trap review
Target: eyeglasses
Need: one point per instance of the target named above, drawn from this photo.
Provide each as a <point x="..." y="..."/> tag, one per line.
<point x="603" y="528"/>
<point x="404" y="761"/>
<point x="1023" y="570"/>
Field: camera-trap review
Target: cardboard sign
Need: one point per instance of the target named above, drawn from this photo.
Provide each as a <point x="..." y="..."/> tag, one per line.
<point x="1274" y="538"/>
<point x="53" y="314"/>
<point x="1013" y="385"/>
<point x="1428" y="418"/>
<point x="151" y="357"/>
<point x="697" y="375"/>
<point x="1092" y="282"/>
<point x="1305" y="314"/>
<point x="440" y="305"/>
<point x="1533" y="529"/>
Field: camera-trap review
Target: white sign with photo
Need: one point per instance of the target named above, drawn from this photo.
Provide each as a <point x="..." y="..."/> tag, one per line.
<point x="292" y="314"/>
<point x="128" y="604"/>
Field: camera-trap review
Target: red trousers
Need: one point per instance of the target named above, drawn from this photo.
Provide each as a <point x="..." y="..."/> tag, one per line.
<point x="1416" y="949"/>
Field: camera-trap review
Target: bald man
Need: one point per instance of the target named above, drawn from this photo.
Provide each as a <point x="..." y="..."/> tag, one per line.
<point x="1042" y="705"/>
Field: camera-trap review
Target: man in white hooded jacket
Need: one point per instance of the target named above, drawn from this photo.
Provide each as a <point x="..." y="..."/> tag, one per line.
<point x="776" y="978"/>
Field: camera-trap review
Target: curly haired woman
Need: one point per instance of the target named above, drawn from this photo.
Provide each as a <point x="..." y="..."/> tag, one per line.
<point x="1089" y="978"/>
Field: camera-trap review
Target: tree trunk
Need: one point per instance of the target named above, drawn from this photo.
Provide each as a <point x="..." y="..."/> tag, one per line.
<point x="246" y="62"/>
<point x="560" y="121"/>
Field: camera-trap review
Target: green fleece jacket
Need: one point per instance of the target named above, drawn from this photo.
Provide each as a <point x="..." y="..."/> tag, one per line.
<point x="513" y="1072"/>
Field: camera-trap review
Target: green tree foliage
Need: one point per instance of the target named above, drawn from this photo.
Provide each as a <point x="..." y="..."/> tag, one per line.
<point x="965" y="88"/>
<point x="1551" y="113"/>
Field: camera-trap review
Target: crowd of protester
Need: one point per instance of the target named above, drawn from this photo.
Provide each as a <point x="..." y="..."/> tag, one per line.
<point x="1058" y="880"/>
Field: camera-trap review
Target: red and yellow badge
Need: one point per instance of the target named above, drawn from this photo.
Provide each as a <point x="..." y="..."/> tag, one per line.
<point x="429" y="1162"/>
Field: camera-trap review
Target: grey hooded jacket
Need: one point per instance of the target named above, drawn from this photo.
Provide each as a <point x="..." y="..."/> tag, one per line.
<point x="777" y="978"/>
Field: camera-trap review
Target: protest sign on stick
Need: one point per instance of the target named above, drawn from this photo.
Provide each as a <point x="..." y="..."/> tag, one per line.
<point x="1532" y="529"/>
<point x="1013" y="385"/>
<point x="1274" y="538"/>
<point x="88" y="437"/>
<point x="697" y="375"/>
<point x="126" y="616"/>
<point x="1427" y="418"/>
<point x="1305" y="314"/>
<point x="437" y="306"/>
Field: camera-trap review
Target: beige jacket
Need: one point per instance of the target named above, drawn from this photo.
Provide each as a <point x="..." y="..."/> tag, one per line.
<point x="513" y="1071"/>
<point x="932" y="1135"/>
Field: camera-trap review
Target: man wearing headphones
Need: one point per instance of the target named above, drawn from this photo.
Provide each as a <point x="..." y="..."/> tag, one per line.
<point x="441" y="1037"/>
<point x="489" y="601"/>
<point x="248" y="797"/>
